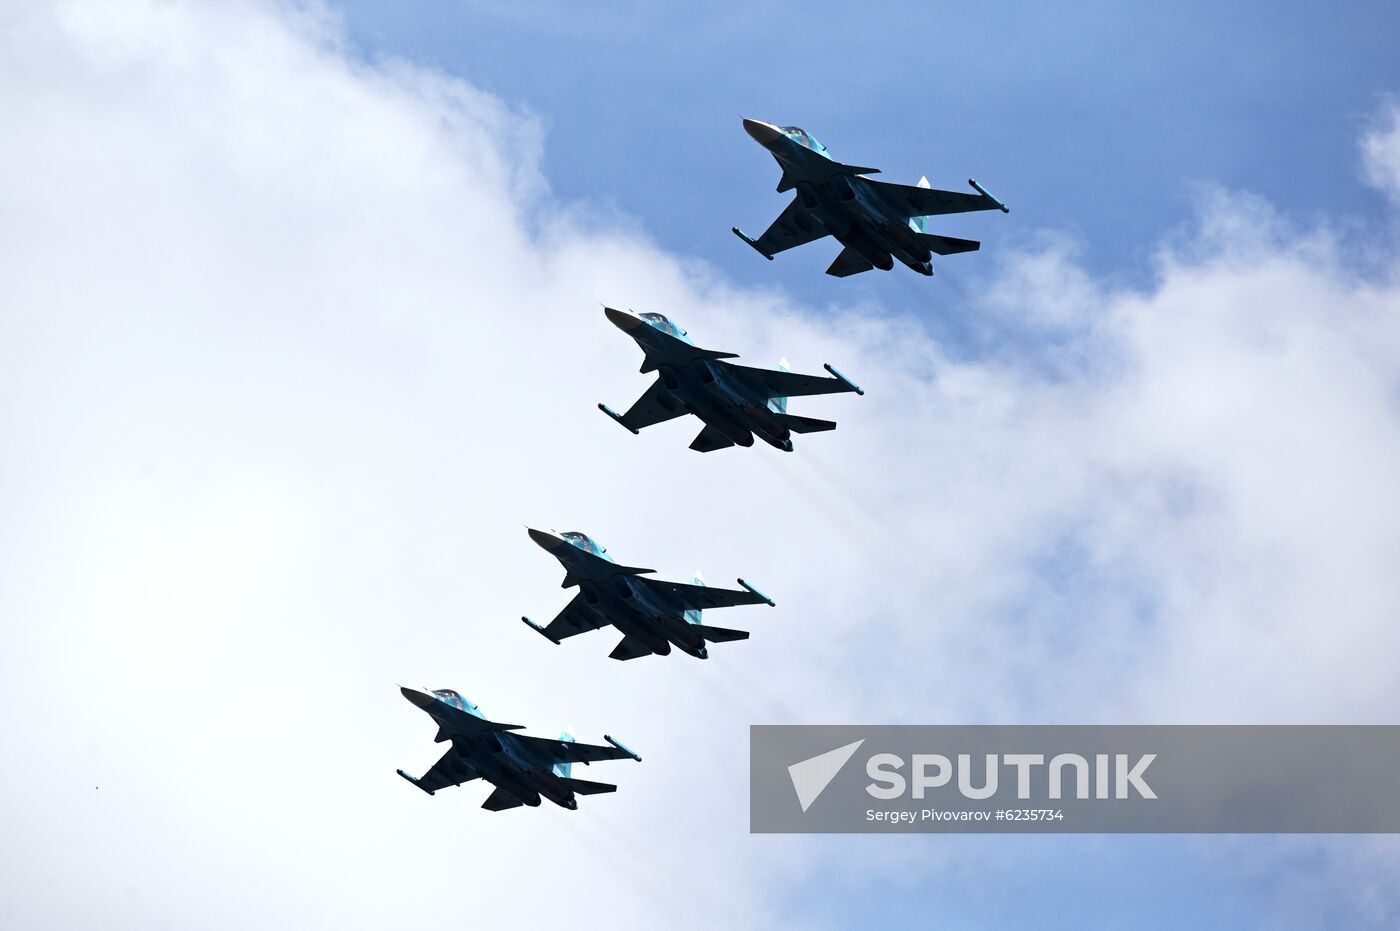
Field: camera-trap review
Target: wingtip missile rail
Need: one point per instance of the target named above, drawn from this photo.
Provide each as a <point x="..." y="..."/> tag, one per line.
<point x="619" y="745"/>
<point x="989" y="195"/>
<point x="751" y="241"/>
<point x="843" y="379"/>
<point x="766" y="600"/>
<point x="413" y="781"/>
<point x="618" y="417"/>
<point x="541" y="631"/>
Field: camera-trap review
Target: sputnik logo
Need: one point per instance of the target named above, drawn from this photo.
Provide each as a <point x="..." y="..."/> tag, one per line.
<point x="811" y="776"/>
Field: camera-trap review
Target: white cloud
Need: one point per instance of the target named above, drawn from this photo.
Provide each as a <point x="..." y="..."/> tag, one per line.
<point x="291" y="347"/>
<point x="1381" y="150"/>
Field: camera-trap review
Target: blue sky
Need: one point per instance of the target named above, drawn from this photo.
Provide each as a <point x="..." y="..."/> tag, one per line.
<point x="288" y="355"/>
<point x="1095" y="119"/>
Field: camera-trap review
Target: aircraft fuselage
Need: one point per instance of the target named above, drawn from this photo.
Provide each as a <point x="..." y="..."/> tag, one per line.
<point x="716" y="398"/>
<point x="628" y="605"/>
<point x="852" y="209"/>
<point x="501" y="760"/>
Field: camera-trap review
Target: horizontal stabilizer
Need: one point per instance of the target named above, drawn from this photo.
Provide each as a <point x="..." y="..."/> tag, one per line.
<point x="584" y="787"/>
<point x="627" y="648"/>
<point x="500" y="800"/>
<point x="804" y="424"/>
<point x="849" y="262"/>
<point x="719" y="634"/>
<point x="709" y="440"/>
<point x="948" y="245"/>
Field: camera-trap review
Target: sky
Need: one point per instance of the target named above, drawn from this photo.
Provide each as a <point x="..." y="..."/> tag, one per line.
<point x="1094" y="119"/>
<point x="299" y="325"/>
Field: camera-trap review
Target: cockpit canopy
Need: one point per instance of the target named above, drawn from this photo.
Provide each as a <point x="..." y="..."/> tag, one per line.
<point x="802" y="137"/>
<point x="662" y="323"/>
<point x="454" y="699"/>
<point x="582" y="540"/>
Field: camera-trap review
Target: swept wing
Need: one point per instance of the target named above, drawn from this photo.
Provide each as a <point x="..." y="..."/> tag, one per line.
<point x="795" y="226"/>
<point x="574" y="619"/>
<point x="554" y="750"/>
<point x="774" y="383"/>
<point x="451" y="770"/>
<point x="654" y="406"/>
<point x="703" y="597"/>
<point x="911" y="201"/>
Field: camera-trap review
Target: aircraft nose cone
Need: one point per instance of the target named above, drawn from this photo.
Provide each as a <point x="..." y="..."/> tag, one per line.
<point x="547" y="540"/>
<point x="622" y="319"/>
<point x="419" y="697"/>
<point x="765" y="134"/>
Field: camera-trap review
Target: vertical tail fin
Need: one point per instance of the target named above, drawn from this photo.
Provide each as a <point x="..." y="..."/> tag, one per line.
<point x="693" y="615"/>
<point x="563" y="770"/>
<point x="921" y="223"/>
<point x="779" y="405"/>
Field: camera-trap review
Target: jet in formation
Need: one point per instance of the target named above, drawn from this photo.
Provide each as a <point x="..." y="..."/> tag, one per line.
<point x="651" y="614"/>
<point x="735" y="402"/>
<point x="523" y="769"/>
<point x="876" y="221"/>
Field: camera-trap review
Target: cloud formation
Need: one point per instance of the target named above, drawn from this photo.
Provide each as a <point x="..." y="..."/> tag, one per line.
<point x="292" y="345"/>
<point x="1381" y="149"/>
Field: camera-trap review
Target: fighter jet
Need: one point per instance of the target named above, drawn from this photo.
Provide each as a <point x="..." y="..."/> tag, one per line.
<point x="876" y="221"/>
<point x="651" y="614"/>
<point x="523" y="769"/>
<point x="735" y="402"/>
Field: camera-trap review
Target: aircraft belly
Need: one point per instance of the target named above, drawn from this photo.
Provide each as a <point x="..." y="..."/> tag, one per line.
<point x="837" y="217"/>
<point x="737" y="432"/>
<point x="680" y="633"/>
<point x="638" y="625"/>
<point x="861" y="224"/>
<point x="899" y="241"/>
<point x="769" y="426"/>
<point x="719" y="413"/>
<point x="548" y="785"/>
<point x="489" y="769"/>
<point x="852" y="226"/>
<point x="515" y="785"/>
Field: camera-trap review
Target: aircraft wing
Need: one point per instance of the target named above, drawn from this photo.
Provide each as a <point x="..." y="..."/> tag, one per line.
<point x="566" y="751"/>
<point x="774" y="383"/>
<point x="654" y="406"/>
<point x="913" y="201"/>
<point x="704" y="597"/>
<point x="451" y="770"/>
<point x="573" y="620"/>
<point x="795" y="226"/>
